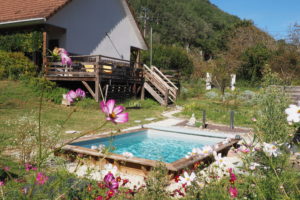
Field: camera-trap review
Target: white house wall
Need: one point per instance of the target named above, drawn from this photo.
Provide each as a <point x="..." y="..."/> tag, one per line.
<point x="98" y="27"/>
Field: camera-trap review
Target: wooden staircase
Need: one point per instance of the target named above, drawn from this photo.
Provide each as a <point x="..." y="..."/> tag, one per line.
<point x="159" y="86"/>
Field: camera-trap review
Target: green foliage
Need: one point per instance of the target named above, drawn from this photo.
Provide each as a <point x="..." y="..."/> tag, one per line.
<point x="156" y="182"/>
<point x="270" y="78"/>
<point x="271" y="118"/>
<point x="13" y="65"/>
<point x="23" y="42"/>
<point x="48" y="88"/>
<point x="187" y="23"/>
<point x="170" y="57"/>
<point x="254" y="58"/>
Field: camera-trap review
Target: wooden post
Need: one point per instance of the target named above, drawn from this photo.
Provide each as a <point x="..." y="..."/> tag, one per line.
<point x="97" y="80"/>
<point x="44" y="48"/>
<point x="166" y="97"/>
<point x="232" y="119"/>
<point x="204" y="119"/>
<point x="143" y="92"/>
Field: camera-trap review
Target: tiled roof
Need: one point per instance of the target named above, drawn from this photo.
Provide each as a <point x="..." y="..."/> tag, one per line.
<point x="12" y="10"/>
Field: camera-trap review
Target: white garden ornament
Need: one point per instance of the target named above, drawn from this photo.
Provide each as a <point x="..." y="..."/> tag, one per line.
<point x="192" y="120"/>
<point x="232" y="82"/>
<point x="208" y="81"/>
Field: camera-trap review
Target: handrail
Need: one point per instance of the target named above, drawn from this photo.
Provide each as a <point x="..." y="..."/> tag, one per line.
<point x="165" y="84"/>
<point x="168" y="80"/>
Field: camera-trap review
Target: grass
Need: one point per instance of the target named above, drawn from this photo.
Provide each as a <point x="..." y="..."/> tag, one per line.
<point x="17" y="100"/>
<point x="217" y="111"/>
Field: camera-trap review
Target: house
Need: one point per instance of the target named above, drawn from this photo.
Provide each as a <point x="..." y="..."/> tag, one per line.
<point x="83" y="27"/>
<point x="103" y="38"/>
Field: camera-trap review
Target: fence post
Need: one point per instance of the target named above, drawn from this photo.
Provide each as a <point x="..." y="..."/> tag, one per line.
<point x="232" y="119"/>
<point x="204" y="119"/>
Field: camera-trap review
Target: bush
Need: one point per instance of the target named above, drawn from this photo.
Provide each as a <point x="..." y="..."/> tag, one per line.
<point x="170" y="57"/>
<point x="13" y="65"/>
<point x="49" y="89"/>
<point x="271" y="118"/>
<point x="212" y="95"/>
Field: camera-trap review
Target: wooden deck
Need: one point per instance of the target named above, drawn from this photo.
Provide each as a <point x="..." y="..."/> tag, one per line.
<point x="101" y="70"/>
<point x="104" y="76"/>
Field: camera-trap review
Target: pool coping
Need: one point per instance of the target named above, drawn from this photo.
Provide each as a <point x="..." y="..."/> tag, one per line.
<point x="173" y="167"/>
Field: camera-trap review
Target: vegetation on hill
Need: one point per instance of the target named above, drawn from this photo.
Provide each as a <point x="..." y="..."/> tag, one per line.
<point x="194" y="23"/>
<point x="216" y="42"/>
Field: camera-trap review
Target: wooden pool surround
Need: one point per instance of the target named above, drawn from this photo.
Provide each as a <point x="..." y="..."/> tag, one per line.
<point x="137" y="166"/>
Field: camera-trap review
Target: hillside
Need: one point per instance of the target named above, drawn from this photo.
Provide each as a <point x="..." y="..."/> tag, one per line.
<point x="193" y="23"/>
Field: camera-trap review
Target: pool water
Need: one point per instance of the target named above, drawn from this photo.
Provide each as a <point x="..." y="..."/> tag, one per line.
<point x="153" y="144"/>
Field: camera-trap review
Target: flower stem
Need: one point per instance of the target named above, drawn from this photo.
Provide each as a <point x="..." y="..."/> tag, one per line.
<point x="39" y="132"/>
<point x="2" y="193"/>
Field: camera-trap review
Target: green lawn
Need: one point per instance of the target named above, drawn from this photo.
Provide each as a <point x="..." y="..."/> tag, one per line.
<point x="217" y="110"/>
<point x="17" y="100"/>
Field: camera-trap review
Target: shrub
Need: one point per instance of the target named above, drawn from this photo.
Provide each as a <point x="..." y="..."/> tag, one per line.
<point x="248" y="97"/>
<point x="49" y="89"/>
<point x="271" y="118"/>
<point x="212" y="95"/>
<point x="170" y="57"/>
<point x="24" y="42"/>
<point x="14" y="64"/>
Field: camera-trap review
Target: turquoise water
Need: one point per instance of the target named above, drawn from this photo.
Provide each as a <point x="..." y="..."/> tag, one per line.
<point x="153" y="145"/>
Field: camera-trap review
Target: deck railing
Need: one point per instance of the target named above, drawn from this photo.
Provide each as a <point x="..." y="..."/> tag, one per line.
<point x="89" y="67"/>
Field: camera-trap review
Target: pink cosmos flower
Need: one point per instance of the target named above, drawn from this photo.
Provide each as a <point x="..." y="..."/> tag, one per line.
<point x="110" y="182"/>
<point x="71" y="95"/>
<point x="65" y="59"/>
<point x="99" y="198"/>
<point x="232" y="176"/>
<point x="1" y="183"/>
<point x="80" y="93"/>
<point x="114" y="113"/>
<point x="29" y="167"/>
<point x="6" y="168"/>
<point x="110" y="194"/>
<point x="233" y="192"/>
<point x="41" y="178"/>
<point x="75" y="95"/>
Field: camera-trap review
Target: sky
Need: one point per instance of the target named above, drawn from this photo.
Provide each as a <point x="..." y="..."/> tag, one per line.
<point x="273" y="16"/>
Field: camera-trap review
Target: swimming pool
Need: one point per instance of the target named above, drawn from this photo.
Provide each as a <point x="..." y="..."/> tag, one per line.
<point x="153" y="144"/>
<point x="149" y="145"/>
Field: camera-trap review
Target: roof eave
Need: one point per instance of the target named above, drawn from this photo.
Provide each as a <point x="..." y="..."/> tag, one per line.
<point x="23" y="22"/>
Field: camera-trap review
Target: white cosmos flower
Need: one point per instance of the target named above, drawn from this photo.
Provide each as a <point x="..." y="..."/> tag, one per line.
<point x="226" y="141"/>
<point x="187" y="179"/>
<point x="110" y="168"/>
<point x="127" y="154"/>
<point x="270" y="150"/>
<point x="219" y="161"/>
<point x="253" y="166"/>
<point x="100" y="148"/>
<point x="293" y="113"/>
<point x="206" y="150"/>
<point x="94" y="147"/>
<point x="195" y="152"/>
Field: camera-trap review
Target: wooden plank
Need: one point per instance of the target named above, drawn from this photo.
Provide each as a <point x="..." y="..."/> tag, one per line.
<point x="97" y="81"/>
<point x="72" y="73"/>
<point x="69" y="78"/>
<point x="89" y="88"/>
<point x="44" y="48"/>
<point x="154" y="94"/>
